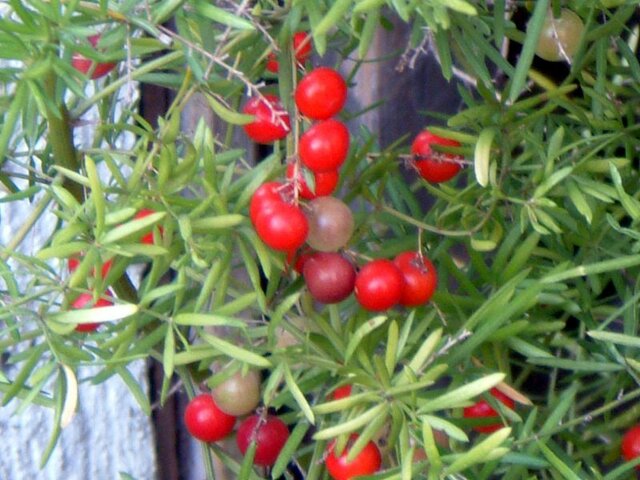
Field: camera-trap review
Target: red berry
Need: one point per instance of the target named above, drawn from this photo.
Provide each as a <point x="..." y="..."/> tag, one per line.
<point x="282" y="227"/>
<point x="325" y="182"/>
<point x="297" y="258"/>
<point x="321" y="93"/>
<point x="147" y="238"/>
<point x="271" y="120"/>
<point x="482" y="409"/>
<point x="420" y="278"/>
<point x="302" y="50"/>
<point x="631" y="444"/>
<point x="329" y="277"/>
<point x="265" y="195"/>
<point x="205" y="421"/>
<point x="84" y="64"/>
<point x="270" y="434"/>
<point x="432" y="166"/>
<point x="342" y="392"/>
<point x="85" y="300"/>
<point x="379" y="285"/>
<point x="367" y="462"/>
<point x="324" y="147"/>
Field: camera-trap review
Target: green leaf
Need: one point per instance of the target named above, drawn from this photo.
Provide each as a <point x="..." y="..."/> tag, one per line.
<point x="351" y="425"/>
<point x="236" y="352"/>
<point x="159" y="292"/>
<point x="96" y="315"/>
<point x="534" y="29"/>
<point x="479" y="453"/>
<point x="459" y="396"/>
<point x="298" y="395"/>
<point x="630" y="204"/>
<point x="576" y="365"/>
<point x="422" y="356"/>
<point x="168" y="353"/>
<point x="562" y="468"/>
<point x="345" y="403"/>
<point x="219" y="15"/>
<point x="97" y="195"/>
<point x="335" y="15"/>
<point x="228" y="221"/>
<point x="290" y="448"/>
<point x="70" y="397"/>
<point x="617" y="338"/>
<point x="226" y="114"/>
<point x="208" y="320"/>
<point x="11" y="119"/>
<point x="132" y="227"/>
<point x="447" y="427"/>
<point x="21" y="378"/>
<point x="136" y="390"/>
<point x="362" y="331"/>
<point x="613" y="265"/>
<point x="555" y="178"/>
<point x="482" y="156"/>
<point x="462" y="6"/>
<point x="579" y="201"/>
<point x="55" y="434"/>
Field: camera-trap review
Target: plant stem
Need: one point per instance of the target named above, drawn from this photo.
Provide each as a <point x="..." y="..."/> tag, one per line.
<point x="61" y="138"/>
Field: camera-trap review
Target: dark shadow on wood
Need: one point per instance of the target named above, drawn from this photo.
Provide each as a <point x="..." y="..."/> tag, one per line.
<point x="154" y="103"/>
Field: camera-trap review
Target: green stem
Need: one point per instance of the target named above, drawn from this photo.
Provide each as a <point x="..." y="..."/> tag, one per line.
<point x="61" y="138"/>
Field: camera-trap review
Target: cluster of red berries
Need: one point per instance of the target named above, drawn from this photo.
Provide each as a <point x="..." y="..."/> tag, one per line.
<point x="86" y="300"/>
<point x="211" y="417"/>
<point x="325" y="223"/>
<point x="207" y="422"/>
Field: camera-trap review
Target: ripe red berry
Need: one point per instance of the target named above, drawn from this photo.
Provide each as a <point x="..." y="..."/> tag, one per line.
<point x="324" y="182"/>
<point x="282" y="227"/>
<point x="324" y="147"/>
<point x="482" y="409"/>
<point x="420" y="278"/>
<point x="271" y="120"/>
<point x="302" y="50"/>
<point x="85" y="300"/>
<point x="379" y="285"/>
<point x="367" y="462"/>
<point x="342" y="392"/>
<point x="329" y="277"/>
<point x="84" y="64"/>
<point x="321" y="93"/>
<point x="265" y="195"/>
<point x="205" y="421"/>
<point x="631" y="444"/>
<point x="270" y="434"/>
<point x="433" y="166"/>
